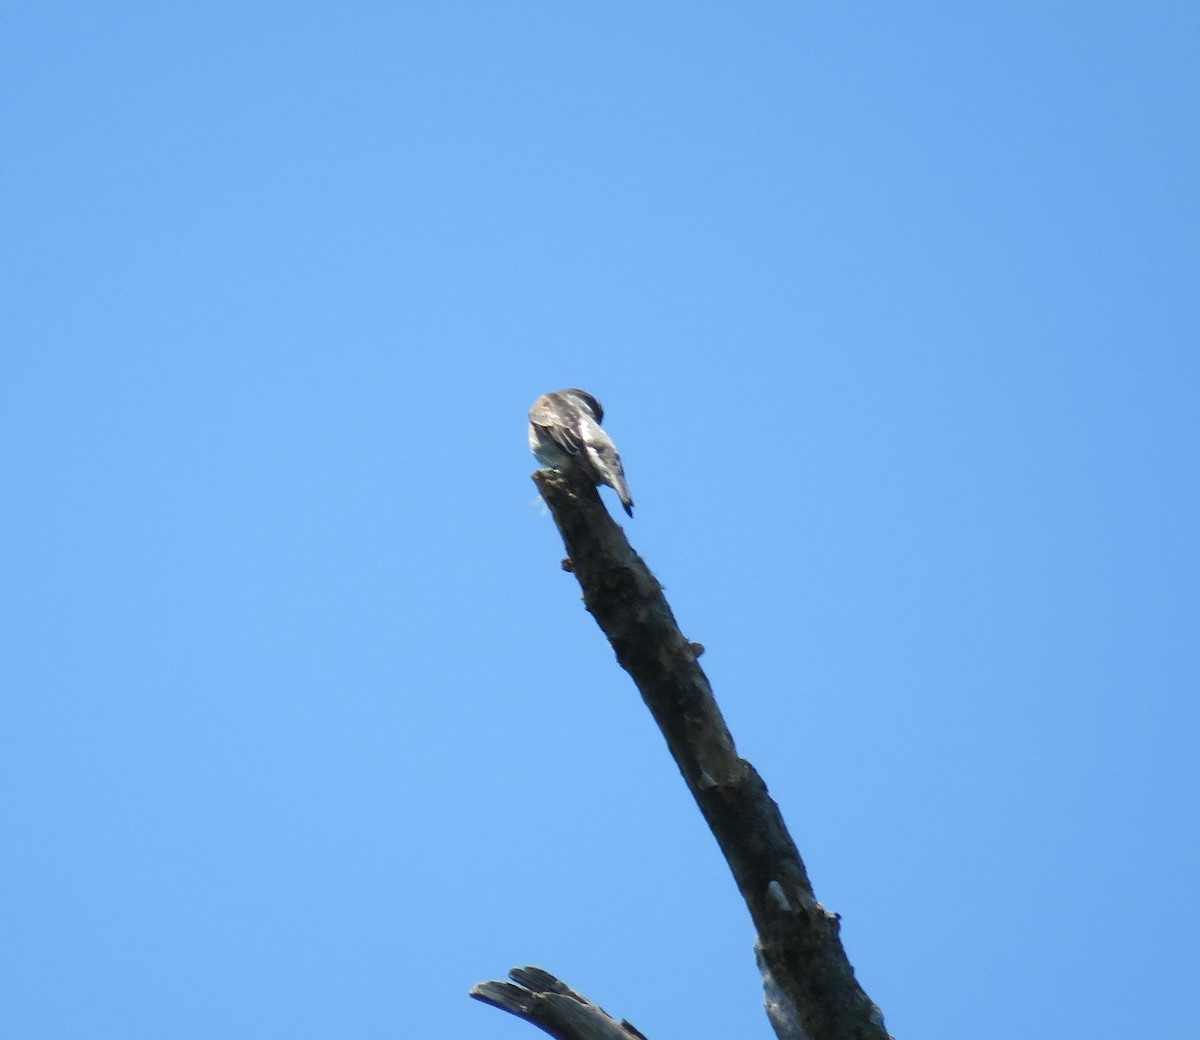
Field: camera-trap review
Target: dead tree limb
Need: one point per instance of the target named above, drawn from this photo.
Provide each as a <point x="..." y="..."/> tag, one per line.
<point x="551" y="1005"/>
<point x="811" y="991"/>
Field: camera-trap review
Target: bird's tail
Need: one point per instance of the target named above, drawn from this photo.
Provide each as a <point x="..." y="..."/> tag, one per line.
<point x="626" y="500"/>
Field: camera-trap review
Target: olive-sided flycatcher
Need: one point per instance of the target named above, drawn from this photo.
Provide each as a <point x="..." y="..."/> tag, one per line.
<point x="565" y="434"/>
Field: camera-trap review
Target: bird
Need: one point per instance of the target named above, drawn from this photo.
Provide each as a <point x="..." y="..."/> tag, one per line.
<point x="565" y="434"/>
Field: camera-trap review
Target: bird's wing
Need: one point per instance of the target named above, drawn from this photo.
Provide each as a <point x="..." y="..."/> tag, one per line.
<point x="555" y="419"/>
<point x="605" y="463"/>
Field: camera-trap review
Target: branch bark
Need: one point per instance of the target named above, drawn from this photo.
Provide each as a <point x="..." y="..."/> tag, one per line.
<point x="551" y="1005"/>
<point x="811" y="992"/>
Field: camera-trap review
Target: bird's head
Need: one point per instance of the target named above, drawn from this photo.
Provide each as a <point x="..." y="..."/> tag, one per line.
<point x="587" y="402"/>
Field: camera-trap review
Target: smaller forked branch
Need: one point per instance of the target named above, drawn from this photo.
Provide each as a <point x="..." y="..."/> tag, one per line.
<point x="538" y="997"/>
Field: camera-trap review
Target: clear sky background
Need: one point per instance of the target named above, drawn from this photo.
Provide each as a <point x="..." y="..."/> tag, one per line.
<point x="894" y="311"/>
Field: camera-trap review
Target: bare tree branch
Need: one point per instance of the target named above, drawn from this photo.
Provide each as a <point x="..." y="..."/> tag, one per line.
<point x="553" y="1006"/>
<point x="811" y="991"/>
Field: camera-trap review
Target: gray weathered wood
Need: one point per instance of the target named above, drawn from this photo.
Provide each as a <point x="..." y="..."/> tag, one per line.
<point x="538" y="997"/>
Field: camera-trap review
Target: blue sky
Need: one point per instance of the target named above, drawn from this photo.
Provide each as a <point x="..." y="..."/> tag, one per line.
<point x="893" y="310"/>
